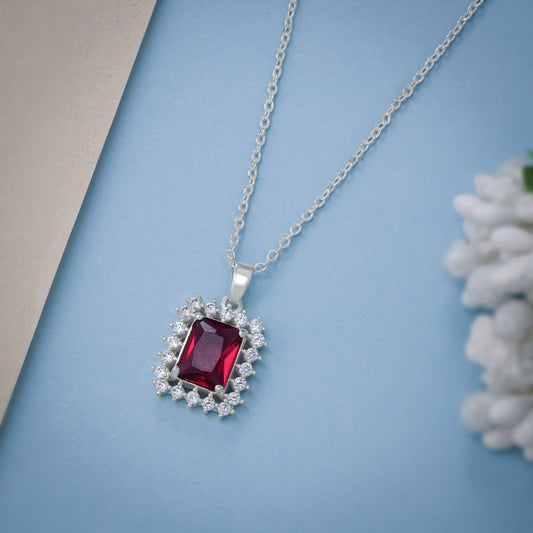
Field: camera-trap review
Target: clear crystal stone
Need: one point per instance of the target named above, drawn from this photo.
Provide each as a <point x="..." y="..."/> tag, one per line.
<point x="167" y="358"/>
<point x="256" y="326"/>
<point x="196" y="304"/>
<point x="209" y="403"/>
<point x="193" y="398"/>
<point x="161" y="372"/>
<point x="240" y="384"/>
<point x="173" y="343"/>
<point x="185" y="313"/>
<point x="226" y="314"/>
<point x="210" y="309"/>
<point x="179" y="328"/>
<point x="234" y="398"/>
<point x="251" y="355"/>
<point x="224" y="409"/>
<point x="246" y="370"/>
<point x="161" y="386"/>
<point x="219" y="389"/>
<point x="178" y="392"/>
<point x="258" y="340"/>
<point x="240" y="319"/>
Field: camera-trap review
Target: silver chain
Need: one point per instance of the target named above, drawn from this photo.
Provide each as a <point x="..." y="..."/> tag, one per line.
<point x="342" y="174"/>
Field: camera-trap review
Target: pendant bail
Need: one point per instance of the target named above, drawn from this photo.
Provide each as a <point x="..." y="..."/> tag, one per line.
<point x="240" y="279"/>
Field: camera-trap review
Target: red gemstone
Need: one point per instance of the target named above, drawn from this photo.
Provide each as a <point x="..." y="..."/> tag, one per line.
<point x="209" y="354"/>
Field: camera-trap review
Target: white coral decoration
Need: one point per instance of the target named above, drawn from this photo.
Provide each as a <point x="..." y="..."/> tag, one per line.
<point x="496" y="258"/>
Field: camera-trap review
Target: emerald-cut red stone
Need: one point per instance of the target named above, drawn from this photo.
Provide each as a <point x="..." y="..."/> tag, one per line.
<point x="209" y="353"/>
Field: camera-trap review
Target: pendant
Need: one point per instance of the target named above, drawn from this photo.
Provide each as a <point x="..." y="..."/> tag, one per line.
<point x="210" y="354"/>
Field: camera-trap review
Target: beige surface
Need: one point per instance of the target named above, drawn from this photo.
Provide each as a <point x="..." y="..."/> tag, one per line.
<point x="63" y="68"/>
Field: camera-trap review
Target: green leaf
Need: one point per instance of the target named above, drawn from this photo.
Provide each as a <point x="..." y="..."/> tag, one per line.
<point x="530" y="153"/>
<point x="527" y="175"/>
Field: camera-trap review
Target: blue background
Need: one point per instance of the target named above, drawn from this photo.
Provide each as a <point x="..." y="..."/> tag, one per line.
<point x="352" y="421"/>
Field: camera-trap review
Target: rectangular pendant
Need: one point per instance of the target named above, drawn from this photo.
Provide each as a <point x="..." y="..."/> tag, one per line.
<point x="209" y="356"/>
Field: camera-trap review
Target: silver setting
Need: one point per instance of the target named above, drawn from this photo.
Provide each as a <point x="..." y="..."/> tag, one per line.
<point x="222" y="401"/>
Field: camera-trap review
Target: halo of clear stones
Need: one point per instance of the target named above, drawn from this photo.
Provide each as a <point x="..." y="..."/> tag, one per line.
<point x="226" y="314"/>
<point x="196" y="304"/>
<point x="240" y="319"/>
<point x="209" y="403"/>
<point x="251" y="355"/>
<point x="185" y="313"/>
<point x="256" y="326"/>
<point x="173" y="343"/>
<point x="258" y="340"/>
<point x="167" y="358"/>
<point x="246" y="370"/>
<point x="234" y="398"/>
<point x="193" y="398"/>
<point x="210" y="309"/>
<point x="223" y="400"/>
<point x="177" y="392"/>
<point x="179" y="328"/>
<point x="161" y="386"/>
<point x="240" y="384"/>
<point x="161" y="372"/>
<point x="224" y="409"/>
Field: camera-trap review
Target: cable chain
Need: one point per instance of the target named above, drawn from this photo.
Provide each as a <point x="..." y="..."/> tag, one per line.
<point x="375" y="133"/>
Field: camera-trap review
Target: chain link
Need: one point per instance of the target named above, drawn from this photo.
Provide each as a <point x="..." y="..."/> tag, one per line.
<point x="342" y="174"/>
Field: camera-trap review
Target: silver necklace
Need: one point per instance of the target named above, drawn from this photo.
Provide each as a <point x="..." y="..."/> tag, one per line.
<point x="211" y="352"/>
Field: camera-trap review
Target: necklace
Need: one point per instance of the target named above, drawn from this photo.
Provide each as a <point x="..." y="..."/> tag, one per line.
<point x="212" y="349"/>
